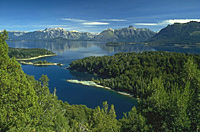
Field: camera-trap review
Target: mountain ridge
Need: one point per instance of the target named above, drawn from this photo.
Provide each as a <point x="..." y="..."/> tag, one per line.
<point x="128" y="34"/>
<point x="180" y="33"/>
<point x="177" y="33"/>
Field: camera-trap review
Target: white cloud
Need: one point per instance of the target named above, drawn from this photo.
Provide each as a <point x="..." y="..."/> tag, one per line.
<point x="90" y="26"/>
<point x="172" y="21"/>
<point x="73" y="20"/>
<point x="95" y="23"/>
<point x="114" y="20"/>
<point x="166" y="22"/>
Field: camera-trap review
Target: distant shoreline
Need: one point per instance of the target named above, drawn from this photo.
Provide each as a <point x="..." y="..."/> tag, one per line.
<point x="37" y="57"/>
<point x="45" y="64"/>
<point x="91" y="83"/>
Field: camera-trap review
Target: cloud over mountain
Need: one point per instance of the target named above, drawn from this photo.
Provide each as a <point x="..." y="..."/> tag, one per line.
<point x="95" y="23"/>
<point x="167" y="22"/>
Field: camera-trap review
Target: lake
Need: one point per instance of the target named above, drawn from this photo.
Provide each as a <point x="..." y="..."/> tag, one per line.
<point x="77" y="93"/>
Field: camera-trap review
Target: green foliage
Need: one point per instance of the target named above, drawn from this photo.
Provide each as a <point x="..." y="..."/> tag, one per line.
<point x="167" y="110"/>
<point x="51" y="110"/>
<point x="133" y="121"/>
<point x="26" y="104"/>
<point x="18" y="100"/>
<point x="41" y="62"/>
<point x="104" y="120"/>
<point x="167" y="84"/>
<point x="131" y="72"/>
<point x="21" y="53"/>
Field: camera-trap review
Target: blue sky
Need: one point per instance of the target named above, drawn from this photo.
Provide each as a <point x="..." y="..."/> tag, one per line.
<point x="95" y="15"/>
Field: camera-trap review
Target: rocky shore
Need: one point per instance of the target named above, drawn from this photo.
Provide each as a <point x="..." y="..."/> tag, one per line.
<point x="44" y="64"/>
<point x="91" y="83"/>
<point x="37" y="57"/>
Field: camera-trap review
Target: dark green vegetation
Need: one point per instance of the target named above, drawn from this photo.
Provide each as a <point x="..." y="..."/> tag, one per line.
<point x="185" y="33"/>
<point x="120" y="43"/>
<point x="113" y="43"/>
<point x="167" y="83"/>
<point x="41" y="62"/>
<point x="27" y="105"/>
<point x="20" y="53"/>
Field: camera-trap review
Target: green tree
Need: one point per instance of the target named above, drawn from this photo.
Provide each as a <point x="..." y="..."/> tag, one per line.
<point x="104" y="120"/>
<point x="133" y="122"/>
<point x="18" y="101"/>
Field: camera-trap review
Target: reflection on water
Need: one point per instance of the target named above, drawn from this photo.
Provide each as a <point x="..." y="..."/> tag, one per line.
<point x="61" y="47"/>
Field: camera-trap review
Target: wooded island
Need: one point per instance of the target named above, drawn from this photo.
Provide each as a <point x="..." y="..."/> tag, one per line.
<point x="29" y="54"/>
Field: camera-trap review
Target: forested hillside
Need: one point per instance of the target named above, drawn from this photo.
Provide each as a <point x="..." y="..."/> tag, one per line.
<point x="27" y="105"/>
<point x="167" y="83"/>
<point x="178" y="33"/>
<point x="166" y="103"/>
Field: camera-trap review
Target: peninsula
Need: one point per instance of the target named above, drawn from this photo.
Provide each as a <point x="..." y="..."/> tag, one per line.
<point x="92" y="83"/>
<point x="37" y="57"/>
<point x="29" y="54"/>
<point x="40" y="63"/>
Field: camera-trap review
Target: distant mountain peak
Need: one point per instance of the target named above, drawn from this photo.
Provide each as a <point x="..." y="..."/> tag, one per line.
<point x="128" y="34"/>
<point x="54" y="29"/>
<point x="75" y="31"/>
<point x="110" y="29"/>
<point x="132" y="27"/>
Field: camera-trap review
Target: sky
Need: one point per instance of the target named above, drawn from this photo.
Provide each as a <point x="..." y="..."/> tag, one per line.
<point x="95" y="15"/>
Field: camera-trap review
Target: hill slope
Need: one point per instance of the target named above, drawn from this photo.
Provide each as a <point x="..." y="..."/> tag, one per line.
<point x="178" y="33"/>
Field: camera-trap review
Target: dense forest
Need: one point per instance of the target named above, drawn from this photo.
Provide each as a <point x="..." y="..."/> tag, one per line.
<point x="131" y="72"/>
<point x="21" y="53"/>
<point x="167" y="83"/>
<point x="27" y="105"/>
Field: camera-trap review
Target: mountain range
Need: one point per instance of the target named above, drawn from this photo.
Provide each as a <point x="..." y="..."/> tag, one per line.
<point x="177" y="33"/>
<point x="128" y="34"/>
<point x="50" y="33"/>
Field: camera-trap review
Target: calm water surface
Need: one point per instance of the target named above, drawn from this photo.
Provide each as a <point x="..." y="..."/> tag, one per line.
<point x="77" y="93"/>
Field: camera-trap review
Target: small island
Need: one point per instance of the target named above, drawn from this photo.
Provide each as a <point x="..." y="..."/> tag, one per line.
<point x="40" y="63"/>
<point x="29" y="54"/>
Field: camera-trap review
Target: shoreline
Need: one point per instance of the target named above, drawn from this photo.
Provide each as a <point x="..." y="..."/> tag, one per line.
<point x="46" y="64"/>
<point x="37" y="57"/>
<point x="91" y="83"/>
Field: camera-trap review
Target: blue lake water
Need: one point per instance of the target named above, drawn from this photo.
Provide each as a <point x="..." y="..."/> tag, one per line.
<point x="77" y="93"/>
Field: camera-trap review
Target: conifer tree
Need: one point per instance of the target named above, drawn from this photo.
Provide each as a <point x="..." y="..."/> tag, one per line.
<point x="18" y="101"/>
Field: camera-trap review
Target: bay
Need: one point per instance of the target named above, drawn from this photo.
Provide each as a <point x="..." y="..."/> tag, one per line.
<point x="77" y="93"/>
